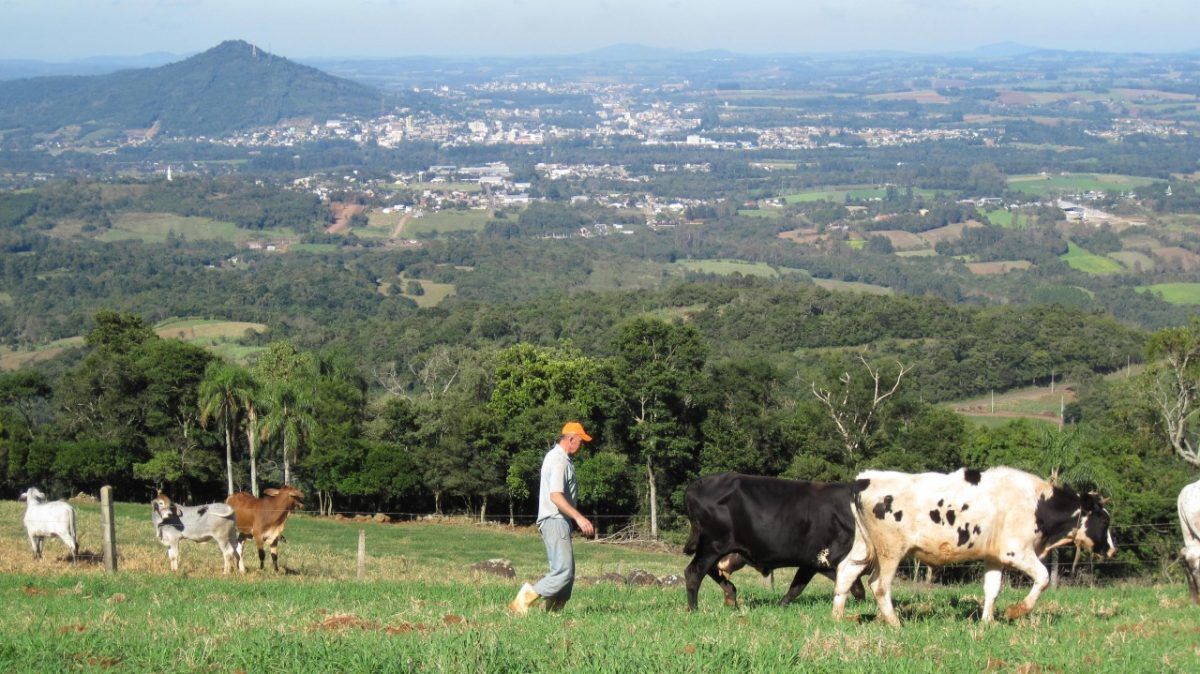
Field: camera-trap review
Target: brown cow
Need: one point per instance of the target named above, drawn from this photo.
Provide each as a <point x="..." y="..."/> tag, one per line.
<point x="263" y="518"/>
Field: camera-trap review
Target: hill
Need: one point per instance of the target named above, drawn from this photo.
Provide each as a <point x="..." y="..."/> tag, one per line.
<point x="229" y="87"/>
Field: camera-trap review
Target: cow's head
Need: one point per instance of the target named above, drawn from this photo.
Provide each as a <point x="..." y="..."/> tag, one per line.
<point x="164" y="507"/>
<point x="289" y="495"/>
<point x="32" y="495"/>
<point x="1093" y="533"/>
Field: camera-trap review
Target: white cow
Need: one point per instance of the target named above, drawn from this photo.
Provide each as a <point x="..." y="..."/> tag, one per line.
<point x="42" y="520"/>
<point x="1002" y="517"/>
<point x="1189" y="522"/>
<point x="213" y="522"/>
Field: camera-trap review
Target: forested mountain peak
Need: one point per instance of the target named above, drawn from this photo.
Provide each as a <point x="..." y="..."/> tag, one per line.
<point x="232" y="86"/>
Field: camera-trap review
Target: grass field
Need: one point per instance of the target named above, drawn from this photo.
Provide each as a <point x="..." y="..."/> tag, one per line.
<point x="154" y="227"/>
<point x="1088" y="263"/>
<point x="1000" y="217"/>
<point x="759" y="213"/>
<point x="446" y="221"/>
<point x="434" y="292"/>
<point x="421" y="608"/>
<point x="217" y="335"/>
<point x="839" y="194"/>
<point x="1043" y="185"/>
<point x="727" y="267"/>
<point x="1175" y="293"/>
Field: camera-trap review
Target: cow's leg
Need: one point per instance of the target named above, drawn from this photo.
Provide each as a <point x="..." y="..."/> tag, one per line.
<point x="856" y="588"/>
<point x="993" y="578"/>
<point x="881" y="587"/>
<point x="1191" y="566"/>
<point x="173" y="555"/>
<point x="1031" y="566"/>
<point x="799" y="582"/>
<point x="262" y="554"/>
<point x="702" y="564"/>
<point x="33" y="545"/>
<point x="848" y="573"/>
<point x="726" y="584"/>
<point x="275" y="554"/>
<point x="228" y="555"/>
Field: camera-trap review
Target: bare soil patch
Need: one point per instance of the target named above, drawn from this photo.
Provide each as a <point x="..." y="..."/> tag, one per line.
<point x="342" y="212"/>
<point x="1140" y="241"/>
<point x="948" y="233"/>
<point x="998" y="267"/>
<point x="1176" y="257"/>
<point x="803" y="236"/>
<point x="901" y="240"/>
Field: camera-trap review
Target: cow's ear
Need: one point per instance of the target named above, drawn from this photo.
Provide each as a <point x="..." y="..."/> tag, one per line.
<point x="271" y="492"/>
<point x="176" y="510"/>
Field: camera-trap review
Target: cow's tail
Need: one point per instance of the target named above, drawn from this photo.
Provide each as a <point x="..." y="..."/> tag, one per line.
<point x="862" y="545"/>
<point x="74" y="537"/>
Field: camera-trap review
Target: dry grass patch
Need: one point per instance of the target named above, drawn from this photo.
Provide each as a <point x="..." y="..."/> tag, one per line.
<point x="951" y="232"/>
<point x="998" y="267"/>
<point x="901" y="240"/>
<point x="1177" y="258"/>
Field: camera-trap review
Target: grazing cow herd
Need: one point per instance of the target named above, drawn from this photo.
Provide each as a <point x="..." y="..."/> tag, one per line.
<point x="1003" y="517"/>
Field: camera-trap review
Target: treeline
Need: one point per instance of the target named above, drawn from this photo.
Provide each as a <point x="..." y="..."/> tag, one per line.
<point x="463" y="426"/>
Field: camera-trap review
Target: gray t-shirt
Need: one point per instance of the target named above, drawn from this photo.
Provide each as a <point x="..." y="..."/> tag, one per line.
<point x="558" y="474"/>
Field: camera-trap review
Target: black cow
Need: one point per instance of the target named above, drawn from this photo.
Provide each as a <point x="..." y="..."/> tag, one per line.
<point x="767" y="523"/>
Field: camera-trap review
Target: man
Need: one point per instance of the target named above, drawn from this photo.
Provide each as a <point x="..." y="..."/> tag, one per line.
<point x="556" y="509"/>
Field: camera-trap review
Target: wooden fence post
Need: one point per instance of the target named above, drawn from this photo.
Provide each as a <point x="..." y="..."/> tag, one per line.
<point x="109" y="530"/>
<point x="362" y="554"/>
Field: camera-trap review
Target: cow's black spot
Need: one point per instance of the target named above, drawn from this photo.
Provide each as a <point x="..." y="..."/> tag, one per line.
<point x="964" y="535"/>
<point x="935" y="516"/>
<point x="976" y="530"/>
<point x="965" y="506"/>
<point x="1011" y="554"/>
<point x="940" y="502"/>
<point x="950" y="517"/>
<point x="899" y="514"/>
<point x="972" y="475"/>
<point x="970" y="545"/>
<point x="202" y="510"/>
<point x="883" y="507"/>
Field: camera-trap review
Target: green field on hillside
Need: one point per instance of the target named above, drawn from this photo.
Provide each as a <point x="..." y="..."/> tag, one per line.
<point x="1175" y="293"/>
<point x="1044" y="185"/>
<point x="727" y="267"/>
<point x="839" y="194"/>
<point x="1089" y="263"/>
<point x="422" y="608"/>
<point x="154" y="227"/>
<point x="446" y="221"/>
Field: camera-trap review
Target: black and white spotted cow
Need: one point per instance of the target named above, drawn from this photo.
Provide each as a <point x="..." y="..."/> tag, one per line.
<point x="766" y="523"/>
<point x="1002" y="517"/>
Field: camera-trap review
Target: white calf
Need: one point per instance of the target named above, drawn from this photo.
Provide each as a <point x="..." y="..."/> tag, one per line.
<point x="213" y="522"/>
<point x="43" y="520"/>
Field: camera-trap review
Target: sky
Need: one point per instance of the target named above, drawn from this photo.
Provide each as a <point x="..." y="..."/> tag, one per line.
<point x="62" y="30"/>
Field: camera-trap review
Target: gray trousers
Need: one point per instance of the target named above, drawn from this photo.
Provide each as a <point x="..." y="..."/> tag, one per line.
<point x="556" y="534"/>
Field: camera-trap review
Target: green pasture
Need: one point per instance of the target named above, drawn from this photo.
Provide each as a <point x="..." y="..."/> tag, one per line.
<point x="1046" y="185"/>
<point x="446" y="221"/>
<point x="154" y="227"/>
<point x="727" y="267"/>
<point x="759" y="212"/>
<point x="1086" y="262"/>
<point x="421" y="608"/>
<point x="1175" y="293"/>
<point x="216" y="335"/>
<point x="1000" y="217"/>
<point x="852" y="286"/>
<point x="314" y="248"/>
<point x="1133" y="259"/>
<point x="839" y="194"/>
<point x="440" y="187"/>
<point x="433" y="295"/>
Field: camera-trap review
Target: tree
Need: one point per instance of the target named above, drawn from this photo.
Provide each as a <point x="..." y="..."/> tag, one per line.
<point x="658" y="365"/>
<point x="286" y="375"/>
<point x="854" y="408"/>
<point x="224" y="393"/>
<point x="1173" y="383"/>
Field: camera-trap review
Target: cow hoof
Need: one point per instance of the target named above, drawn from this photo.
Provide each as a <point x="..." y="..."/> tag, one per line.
<point x="1015" y="611"/>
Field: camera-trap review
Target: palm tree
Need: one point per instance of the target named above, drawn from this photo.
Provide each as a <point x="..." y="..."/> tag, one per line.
<point x="223" y="394"/>
<point x="290" y="419"/>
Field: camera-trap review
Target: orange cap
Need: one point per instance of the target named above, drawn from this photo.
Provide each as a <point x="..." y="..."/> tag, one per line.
<point x="576" y="428"/>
